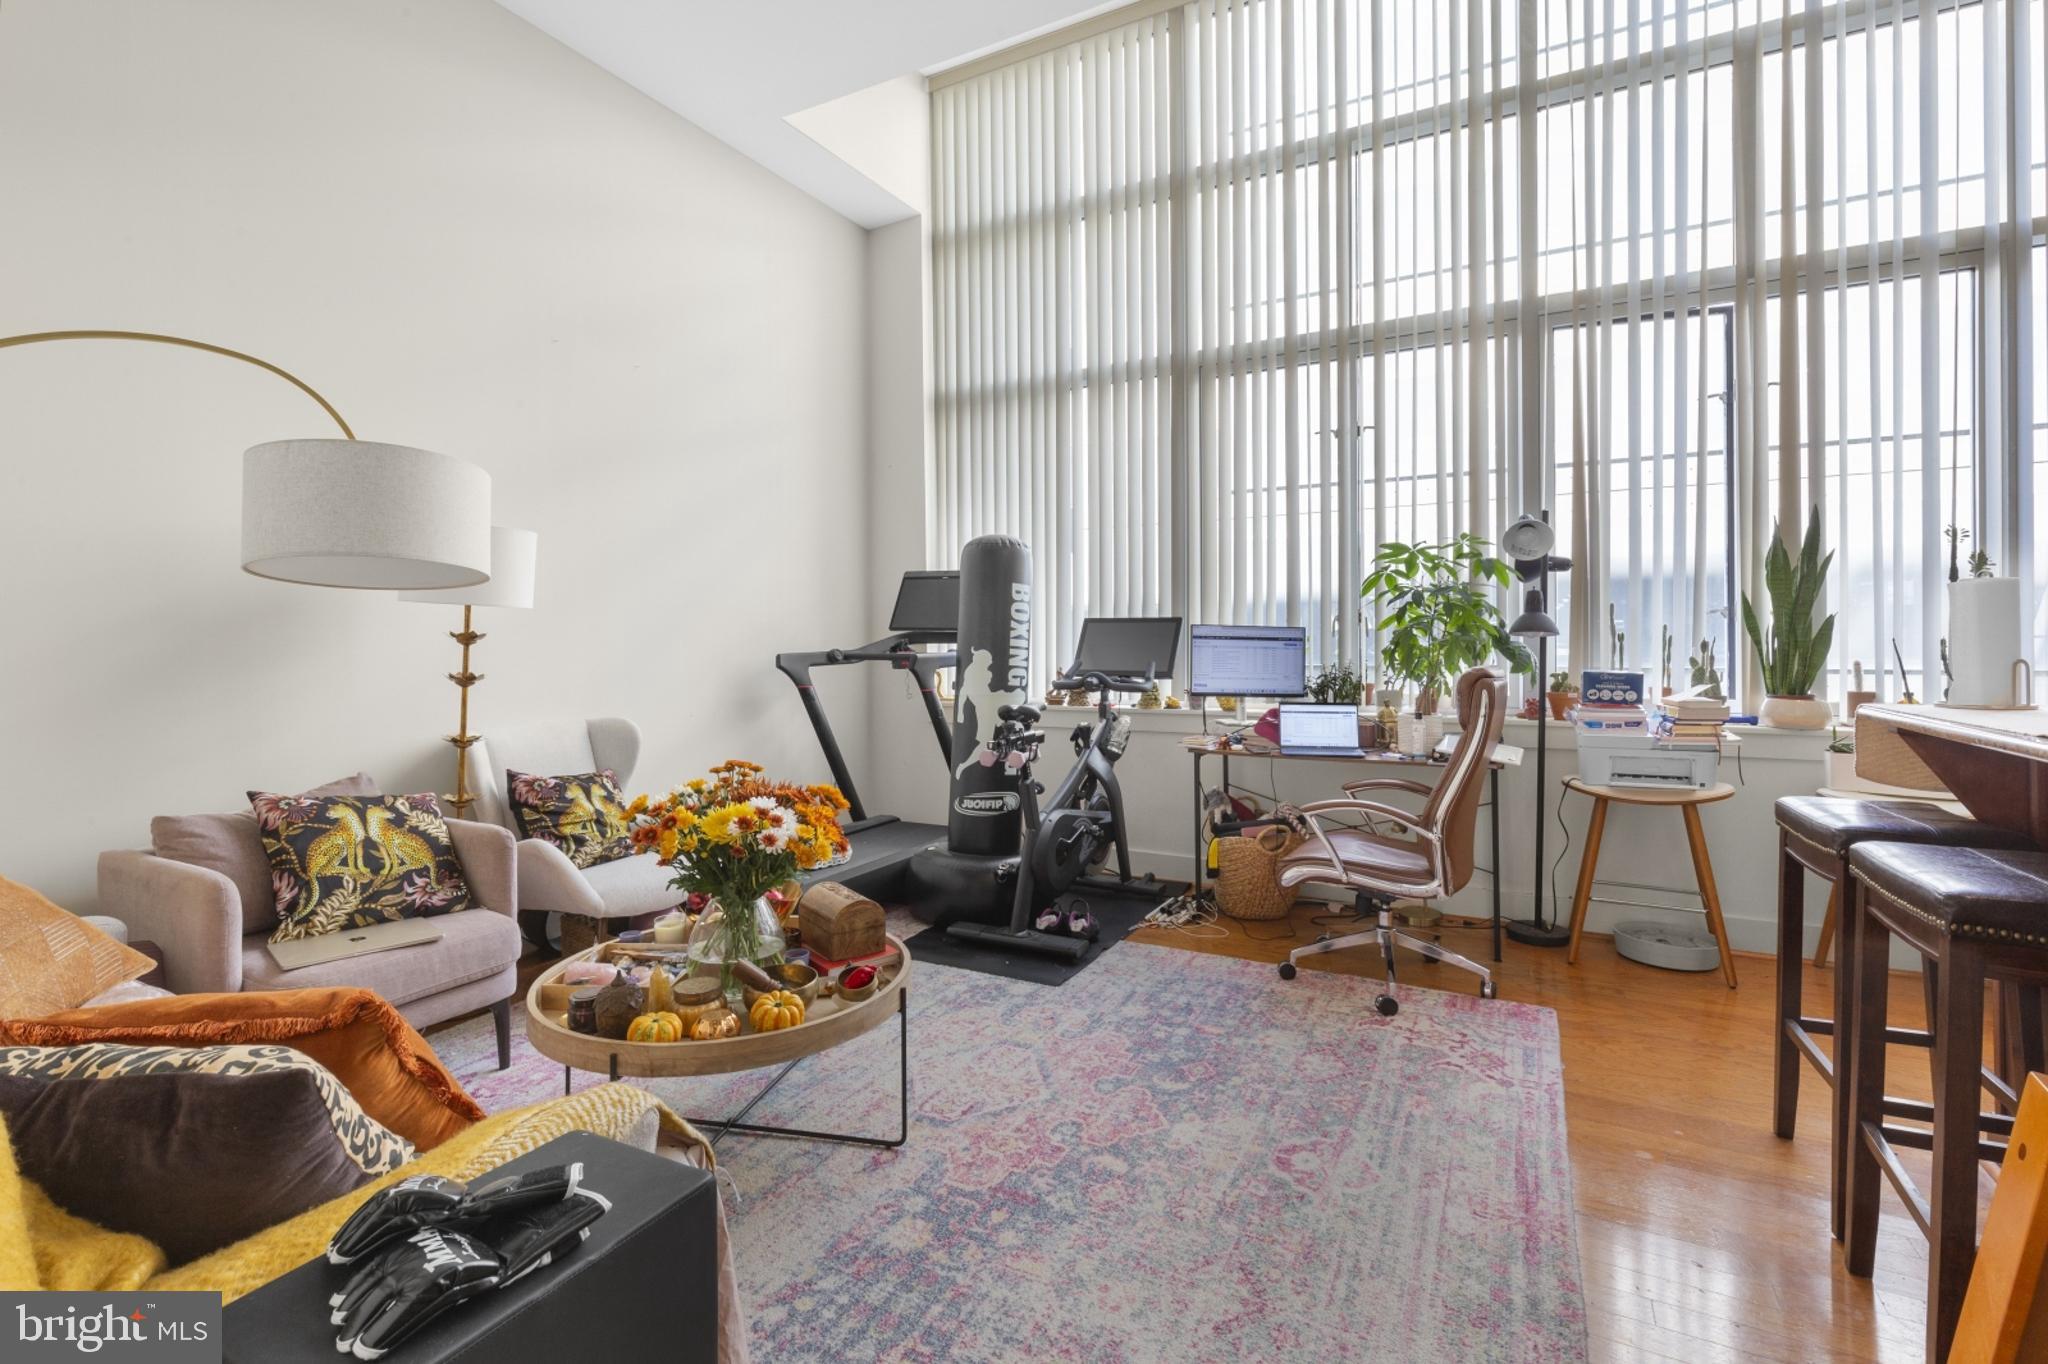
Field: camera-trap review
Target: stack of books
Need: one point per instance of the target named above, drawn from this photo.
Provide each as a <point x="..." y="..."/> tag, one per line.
<point x="1691" y="721"/>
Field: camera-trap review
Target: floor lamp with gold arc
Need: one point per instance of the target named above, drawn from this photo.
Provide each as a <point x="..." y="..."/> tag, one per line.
<point x="349" y="512"/>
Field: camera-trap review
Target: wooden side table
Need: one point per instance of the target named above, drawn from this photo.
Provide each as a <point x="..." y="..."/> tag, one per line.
<point x="1688" y="802"/>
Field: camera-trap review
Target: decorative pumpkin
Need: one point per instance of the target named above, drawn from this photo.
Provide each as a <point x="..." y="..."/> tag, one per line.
<point x="712" y="1026"/>
<point x="661" y="1026"/>
<point x="776" y="1010"/>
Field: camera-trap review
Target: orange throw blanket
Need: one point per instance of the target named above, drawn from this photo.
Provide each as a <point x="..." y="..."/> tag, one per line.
<point x="384" y="1062"/>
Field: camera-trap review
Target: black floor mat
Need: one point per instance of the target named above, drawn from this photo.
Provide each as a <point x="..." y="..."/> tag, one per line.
<point x="1117" y="914"/>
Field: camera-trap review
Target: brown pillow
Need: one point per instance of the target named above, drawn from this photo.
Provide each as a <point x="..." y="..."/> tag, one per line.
<point x="371" y="1049"/>
<point x="193" y="1148"/>
<point x="51" y="960"/>
<point x="232" y="845"/>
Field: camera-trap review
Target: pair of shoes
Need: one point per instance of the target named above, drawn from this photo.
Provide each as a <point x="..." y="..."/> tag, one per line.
<point x="1075" y="921"/>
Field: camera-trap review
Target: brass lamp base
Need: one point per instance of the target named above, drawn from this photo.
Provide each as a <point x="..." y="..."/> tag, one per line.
<point x="462" y="738"/>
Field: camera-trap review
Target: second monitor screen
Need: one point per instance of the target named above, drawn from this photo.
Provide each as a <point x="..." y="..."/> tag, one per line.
<point x="1247" y="660"/>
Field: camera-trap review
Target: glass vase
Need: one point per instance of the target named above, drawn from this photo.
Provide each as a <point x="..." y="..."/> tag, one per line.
<point x="722" y="938"/>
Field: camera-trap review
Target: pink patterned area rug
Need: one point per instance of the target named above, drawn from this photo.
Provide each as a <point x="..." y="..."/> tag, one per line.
<point x="1173" y="1157"/>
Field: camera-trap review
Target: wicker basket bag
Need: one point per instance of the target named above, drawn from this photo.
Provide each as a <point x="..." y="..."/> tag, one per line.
<point x="1248" y="874"/>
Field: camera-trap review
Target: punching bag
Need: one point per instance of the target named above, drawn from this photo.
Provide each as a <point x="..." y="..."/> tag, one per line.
<point x="983" y="816"/>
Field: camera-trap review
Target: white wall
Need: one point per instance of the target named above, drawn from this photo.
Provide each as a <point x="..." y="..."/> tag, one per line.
<point x="884" y="132"/>
<point x="469" y="239"/>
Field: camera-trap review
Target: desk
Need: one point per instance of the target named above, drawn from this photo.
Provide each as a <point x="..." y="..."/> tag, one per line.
<point x="1994" y="761"/>
<point x="1504" y="755"/>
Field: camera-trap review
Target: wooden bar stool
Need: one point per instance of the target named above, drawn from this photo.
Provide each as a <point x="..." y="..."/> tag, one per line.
<point x="1974" y="915"/>
<point x="1688" y="802"/>
<point x="1815" y="833"/>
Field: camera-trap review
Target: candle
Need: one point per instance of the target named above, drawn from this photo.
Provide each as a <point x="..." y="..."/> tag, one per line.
<point x="672" y="928"/>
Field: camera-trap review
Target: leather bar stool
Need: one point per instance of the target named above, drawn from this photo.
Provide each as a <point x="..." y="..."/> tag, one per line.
<point x="1815" y="833"/>
<point x="1974" y="915"/>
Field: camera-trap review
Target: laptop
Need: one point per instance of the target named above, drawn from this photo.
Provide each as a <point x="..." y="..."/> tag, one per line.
<point x="353" y="942"/>
<point x="1311" y="729"/>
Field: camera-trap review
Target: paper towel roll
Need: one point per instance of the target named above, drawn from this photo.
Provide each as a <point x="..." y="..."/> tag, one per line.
<point x="1986" y="632"/>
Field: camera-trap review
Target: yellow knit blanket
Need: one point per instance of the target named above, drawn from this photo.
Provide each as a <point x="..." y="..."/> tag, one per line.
<point x="42" y="1246"/>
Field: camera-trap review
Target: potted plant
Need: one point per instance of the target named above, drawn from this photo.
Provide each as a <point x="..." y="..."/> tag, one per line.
<point x="1436" y="614"/>
<point x="1335" y="684"/>
<point x="1704" y="677"/>
<point x="730" y="839"/>
<point x="1563" y="691"/>
<point x="1793" y="650"/>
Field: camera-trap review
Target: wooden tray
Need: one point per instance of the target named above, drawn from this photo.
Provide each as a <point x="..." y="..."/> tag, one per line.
<point x="827" y="1023"/>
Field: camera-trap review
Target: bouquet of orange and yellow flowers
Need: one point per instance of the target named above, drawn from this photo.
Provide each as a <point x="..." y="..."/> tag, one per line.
<point x="735" y="835"/>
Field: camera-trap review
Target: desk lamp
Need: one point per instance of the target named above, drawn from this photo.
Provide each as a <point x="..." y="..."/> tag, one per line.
<point x="1528" y="542"/>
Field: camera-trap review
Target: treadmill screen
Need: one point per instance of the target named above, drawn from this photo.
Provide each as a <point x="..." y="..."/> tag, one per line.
<point x="1129" y="646"/>
<point x="928" y="604"/>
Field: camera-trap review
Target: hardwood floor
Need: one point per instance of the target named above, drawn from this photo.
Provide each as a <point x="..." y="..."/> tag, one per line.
<point x="1702" y="1237"/>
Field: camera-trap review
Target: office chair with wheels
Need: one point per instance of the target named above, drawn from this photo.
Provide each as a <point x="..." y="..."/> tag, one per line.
<point x="1433" y="860"/>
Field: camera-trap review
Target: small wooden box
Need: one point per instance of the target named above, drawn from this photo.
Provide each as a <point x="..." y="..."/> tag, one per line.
<point x="840" y="923"/>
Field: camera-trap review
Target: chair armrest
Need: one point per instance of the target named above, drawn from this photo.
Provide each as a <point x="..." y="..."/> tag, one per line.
<point x="549" y="881"/>
<point x="193" y="914"/>
<point x="1407" y="819"/>
<point x="489" y="864"/>
<point x="1388" y="784"/>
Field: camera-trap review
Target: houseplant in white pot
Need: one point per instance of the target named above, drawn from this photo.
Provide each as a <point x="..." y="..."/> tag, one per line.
<point x="1793" y="650"/>
<point x="1437" y="619"/>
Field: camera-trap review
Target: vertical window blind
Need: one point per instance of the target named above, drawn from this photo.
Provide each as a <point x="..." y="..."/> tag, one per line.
<point x="1231" y="293"/>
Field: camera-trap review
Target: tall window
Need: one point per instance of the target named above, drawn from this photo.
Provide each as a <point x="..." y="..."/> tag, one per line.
<point x="1234" y="292"/>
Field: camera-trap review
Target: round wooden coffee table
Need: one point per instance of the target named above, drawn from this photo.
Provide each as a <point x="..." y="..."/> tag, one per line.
<point x="828" y="1022"/>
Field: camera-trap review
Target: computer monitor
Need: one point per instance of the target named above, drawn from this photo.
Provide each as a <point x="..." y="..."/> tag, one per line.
<point x="1128" y="646"/>
<point x="1247" y="660"/>
<point x="928" y="605"/>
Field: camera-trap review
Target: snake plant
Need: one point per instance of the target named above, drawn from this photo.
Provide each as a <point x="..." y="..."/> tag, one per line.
<point x="1794" y="650"/>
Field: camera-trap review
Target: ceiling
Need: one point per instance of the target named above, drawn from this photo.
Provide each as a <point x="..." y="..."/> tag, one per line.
<point x="739" y="68"/>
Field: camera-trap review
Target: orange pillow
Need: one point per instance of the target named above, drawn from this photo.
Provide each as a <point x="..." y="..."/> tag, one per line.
<point x="51" y="960"/>
<point x="387" y="1066"/>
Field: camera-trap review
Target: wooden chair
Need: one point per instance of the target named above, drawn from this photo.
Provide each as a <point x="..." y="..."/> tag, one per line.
<point x="1816" y="834"/>
<point x="1974" y="915"/>
<point x="2005" y="1311"/>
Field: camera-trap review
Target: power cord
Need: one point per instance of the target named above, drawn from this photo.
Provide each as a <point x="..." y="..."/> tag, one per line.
<point x="1193" y="915"/>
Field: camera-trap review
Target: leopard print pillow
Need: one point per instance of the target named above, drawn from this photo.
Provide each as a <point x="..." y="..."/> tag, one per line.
<point x="583" y="815"/>
<point x="341" y="862"/>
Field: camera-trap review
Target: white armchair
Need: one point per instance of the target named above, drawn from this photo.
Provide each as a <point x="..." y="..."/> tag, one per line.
<point x="549" y="883"/>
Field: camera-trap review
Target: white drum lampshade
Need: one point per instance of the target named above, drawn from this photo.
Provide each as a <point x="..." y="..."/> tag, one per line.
<point x="358" y="513"/>
<point x="514" y="553"/>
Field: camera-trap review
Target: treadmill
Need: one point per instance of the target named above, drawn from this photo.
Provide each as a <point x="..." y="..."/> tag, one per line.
<point x="927" y="611"/>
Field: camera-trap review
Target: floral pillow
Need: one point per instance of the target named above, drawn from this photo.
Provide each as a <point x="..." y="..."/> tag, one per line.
<point x="585" y="816"/>
<point x="352" y="861"/>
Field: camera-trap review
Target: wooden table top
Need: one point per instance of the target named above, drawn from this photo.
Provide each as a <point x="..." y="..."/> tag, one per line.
<point x="2024" y="732"/>
<point x="827" y="1023"/>
<point x="1653" y="795"/>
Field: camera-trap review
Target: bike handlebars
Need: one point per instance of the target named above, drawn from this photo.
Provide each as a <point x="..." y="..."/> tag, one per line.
<point x="1095" y="680"/>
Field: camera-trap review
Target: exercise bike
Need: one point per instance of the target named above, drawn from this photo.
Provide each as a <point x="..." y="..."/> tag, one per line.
<point x="1076" y="828"/>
